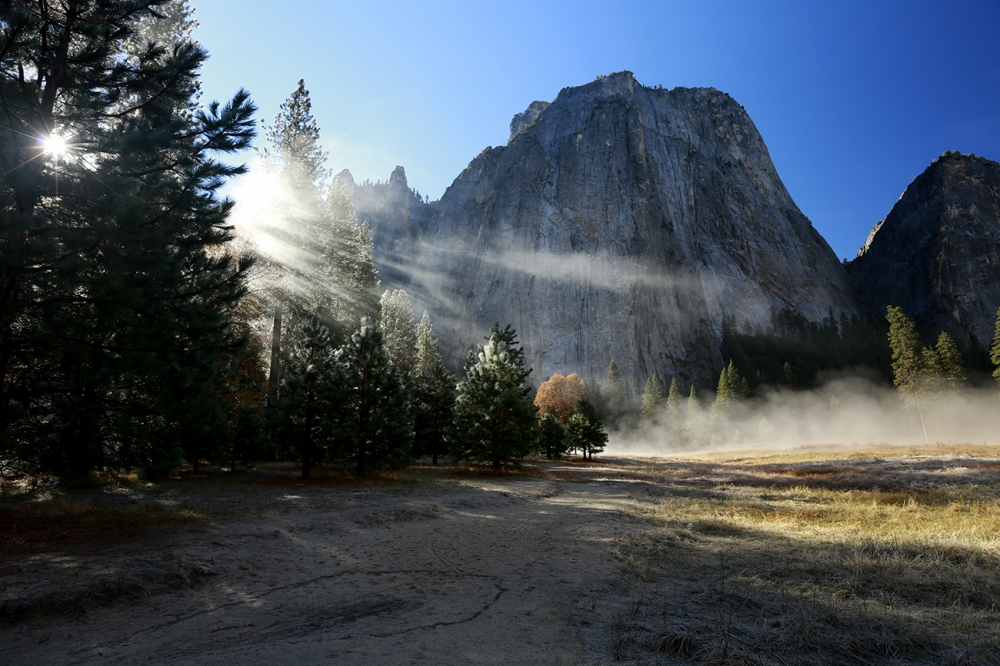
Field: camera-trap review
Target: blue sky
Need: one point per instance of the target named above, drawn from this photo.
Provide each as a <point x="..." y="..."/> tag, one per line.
<point x="854" y="99"/>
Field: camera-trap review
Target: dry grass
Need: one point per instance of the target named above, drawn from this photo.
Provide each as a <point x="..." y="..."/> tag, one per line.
<point x="854" y="558"/>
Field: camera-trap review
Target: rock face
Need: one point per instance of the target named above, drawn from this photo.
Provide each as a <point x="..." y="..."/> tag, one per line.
<point x="937" y="253"/>
<point x="526" y="118"/>
<point x="621" y="224"/>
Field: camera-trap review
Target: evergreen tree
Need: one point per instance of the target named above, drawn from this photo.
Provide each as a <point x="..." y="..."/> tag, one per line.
<point x="552" y="437"/>
<point x="614" y="390"/>
<point x="375" y="424"/>
<point x="494" y="418"/>
<point x="675" y="407"/>
<point x="399" y="329"/>
<point x="312" y="391"/>
<point x="692" y="413"/>
<point x="908" y="359"/>
<point x="995" y="349"/>
<point x="732" y="388"/>
<point x="116" y="297"/>
<point x="350" y="268"/>
<point x="652" y="400"/>
<point x="434" y="394"/>
<point x="585" y="431"/>
<point x="428" y="351"/>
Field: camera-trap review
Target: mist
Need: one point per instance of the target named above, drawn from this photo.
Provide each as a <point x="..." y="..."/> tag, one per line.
<point x="849" y="412"/>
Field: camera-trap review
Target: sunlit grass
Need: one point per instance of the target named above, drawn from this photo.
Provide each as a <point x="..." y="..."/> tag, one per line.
<point x="885" y="555"/>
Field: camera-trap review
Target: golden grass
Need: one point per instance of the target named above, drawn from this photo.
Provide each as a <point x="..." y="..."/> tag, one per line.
<point x="884" y="557"/>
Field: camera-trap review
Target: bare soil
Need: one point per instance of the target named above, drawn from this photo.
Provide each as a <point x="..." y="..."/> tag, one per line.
<point x="435" y="569"/>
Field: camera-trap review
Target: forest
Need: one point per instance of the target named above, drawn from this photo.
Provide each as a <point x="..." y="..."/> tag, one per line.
<point x="141" y="330"/>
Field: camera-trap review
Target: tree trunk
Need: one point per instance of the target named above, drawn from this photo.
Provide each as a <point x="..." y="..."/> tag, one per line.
<point x="307" y="446"/>
<point x="275" y="375"/>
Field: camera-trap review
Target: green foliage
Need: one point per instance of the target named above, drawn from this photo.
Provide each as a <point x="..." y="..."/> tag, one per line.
<point x="652" y="400"/>
<point x="794" y="350"/>
<point x="494" y="417"/>
<point x="675" y="405"/>
<point x="613" y="392"/>
<point x="117" y="297"/>
<point x="995" y="349"/>
<point x="908" y="359"/>
<point x="428" y="351"/>
<point x="434" y="395"/>
<point x="313" y="391"/>
<point x="375" y="424"/>
<point x="949" y="363"/>
<point x="585" y="433"/>
<point x="733" y="387"/>
<point x="552" y="437"/>
<point x="399" y="329"/>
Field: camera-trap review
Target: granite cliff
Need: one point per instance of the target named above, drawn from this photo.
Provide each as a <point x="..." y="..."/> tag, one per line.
<point x="937" y="253"/>
<point x="620" y="222"/>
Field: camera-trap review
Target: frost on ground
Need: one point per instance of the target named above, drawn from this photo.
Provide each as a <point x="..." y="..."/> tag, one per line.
<point x="855" y="557"/>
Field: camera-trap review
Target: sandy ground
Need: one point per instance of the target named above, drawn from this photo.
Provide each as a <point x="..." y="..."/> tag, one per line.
<point x="468" y="571"/>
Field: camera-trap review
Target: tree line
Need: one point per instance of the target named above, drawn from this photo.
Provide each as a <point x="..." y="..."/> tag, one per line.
<point x="140" y="330"/>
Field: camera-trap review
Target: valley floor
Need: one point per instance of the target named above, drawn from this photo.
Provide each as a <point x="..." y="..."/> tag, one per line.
<point x="886" y="556"/>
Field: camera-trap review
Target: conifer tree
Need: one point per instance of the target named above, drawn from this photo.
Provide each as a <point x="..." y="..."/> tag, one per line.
<point x="350" y="269"/>
<point x="675" y="407"/>
<point x="652" y="400"/>
<point x="552" y="437"/>
<point x="428" y="349"/>
<point x="375" y="424"/>
<point x="908" y="359"/>
<point x="585" y="432"/>
<point x="313" y="391"/>
<point x="399" y="329"/>
<point x="995" y="349"/>
<point x="692" y="412"/>
<point x="494" y="419"/>
<point x="614" y="390"/>
<point x="732" y="388"/>
<point x="116" y="297"/>
<point x="434" y="394"/>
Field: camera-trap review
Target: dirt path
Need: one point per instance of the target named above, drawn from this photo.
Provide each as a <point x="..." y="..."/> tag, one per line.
<point x="481" y="571"/>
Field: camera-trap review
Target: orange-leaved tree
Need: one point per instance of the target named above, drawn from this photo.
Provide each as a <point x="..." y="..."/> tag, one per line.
<point x="559" y="395"/>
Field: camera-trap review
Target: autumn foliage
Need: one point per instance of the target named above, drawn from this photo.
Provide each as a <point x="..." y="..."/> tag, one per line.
<point x="559" y="395"/>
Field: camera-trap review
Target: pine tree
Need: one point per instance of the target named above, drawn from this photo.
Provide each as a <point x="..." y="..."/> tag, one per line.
<point x="552" y="437"/>
<point x="374" y="421"/>
<point x="428" y="350"/>
<point x="585" y="431"/>
<point x="399" y="329"/>
<point x="733" y="387"/>
<point x="692" y="413"/>
<point x="434" y="394"/>
<point x="908" y="359"/>
<point x="313" y="390"/>
<point x="614" y="390"/>
<point x="494" y="419"/>
<point x="350" y="268"/>
<point x="995" y="349"/>
<point x="675" y="407"/>
<point x="116" y="295"/>
<point x="652" y="400"/>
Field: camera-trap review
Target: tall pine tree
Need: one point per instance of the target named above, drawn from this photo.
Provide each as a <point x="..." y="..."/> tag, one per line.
<point x="434" y="395"/>
<point x="116" y="294"/>
<point x="494" y="418"/>
<point x="374" y="421"/>
<point x="652" y="400"/>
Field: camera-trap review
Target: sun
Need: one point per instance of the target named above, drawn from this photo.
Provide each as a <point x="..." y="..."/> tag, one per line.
<point x="54" y="145"/>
